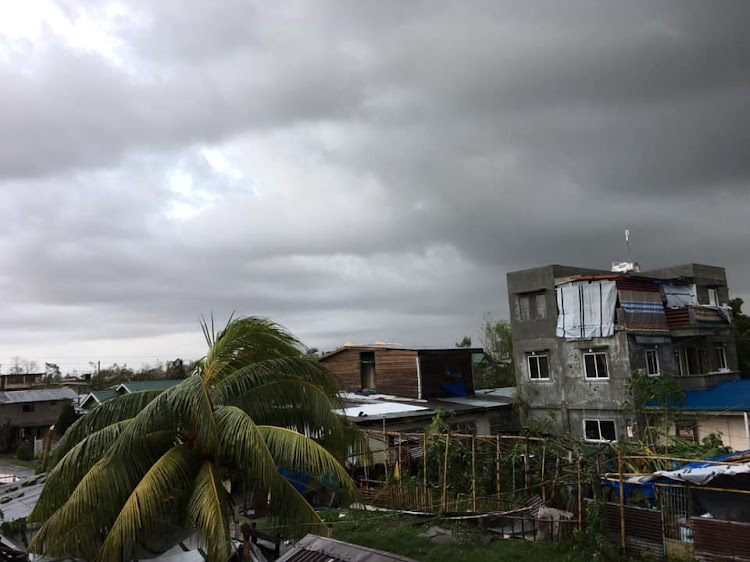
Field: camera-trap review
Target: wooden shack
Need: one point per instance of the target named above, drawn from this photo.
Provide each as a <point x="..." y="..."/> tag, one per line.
<point x="411" y="373"/>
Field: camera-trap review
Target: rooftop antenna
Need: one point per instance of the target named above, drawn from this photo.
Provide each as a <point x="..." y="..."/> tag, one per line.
<point x="627" y="241"/>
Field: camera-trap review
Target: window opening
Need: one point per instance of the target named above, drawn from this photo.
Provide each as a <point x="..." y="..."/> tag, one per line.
<point x="538" y="367"/>
<point x="599" y="430"/>
<point x="595" y="365"/>
<point x="367" y="369"/>
<point x="713" y="297"/>
<point x="652" y="363"/>
<point x="721" y="355"/>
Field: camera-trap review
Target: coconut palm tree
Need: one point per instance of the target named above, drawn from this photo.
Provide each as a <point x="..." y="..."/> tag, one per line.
<point x="145" y="466"/>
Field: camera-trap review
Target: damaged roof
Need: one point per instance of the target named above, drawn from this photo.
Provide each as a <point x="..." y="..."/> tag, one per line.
<point x="320" y="549"/>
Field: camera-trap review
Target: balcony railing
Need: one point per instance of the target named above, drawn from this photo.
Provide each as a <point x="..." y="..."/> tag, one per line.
<point x="695" y="317"/>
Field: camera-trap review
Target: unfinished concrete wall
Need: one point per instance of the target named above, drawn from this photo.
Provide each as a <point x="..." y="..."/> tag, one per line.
<point x="31" y="414"/>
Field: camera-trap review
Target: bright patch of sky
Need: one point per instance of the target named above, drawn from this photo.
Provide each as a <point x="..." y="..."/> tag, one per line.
<point x="199" y="182"/>
<point x="31" y="19"/>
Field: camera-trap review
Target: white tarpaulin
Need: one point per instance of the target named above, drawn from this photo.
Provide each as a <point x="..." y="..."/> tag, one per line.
<point x="704" y="474"/>
<point x="679" y="296"/>
<point x="586" y="309"/>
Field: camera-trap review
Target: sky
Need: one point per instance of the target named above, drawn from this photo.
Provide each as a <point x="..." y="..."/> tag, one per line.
<point x="356" y="171"/>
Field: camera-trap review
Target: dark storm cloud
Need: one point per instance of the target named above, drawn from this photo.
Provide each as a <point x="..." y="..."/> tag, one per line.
<point x="360" y="171"/>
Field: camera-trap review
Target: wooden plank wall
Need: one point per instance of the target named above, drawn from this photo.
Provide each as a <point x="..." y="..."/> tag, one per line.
<point x="436" y="366"/>
<point x="395" y="370"/>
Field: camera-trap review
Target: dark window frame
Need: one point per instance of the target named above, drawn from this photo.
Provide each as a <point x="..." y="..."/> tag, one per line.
<point x="538" y="359"/>
<point x="589" y="423"/>
<point x="652" y="372"/>
<point x="531" y="305"/>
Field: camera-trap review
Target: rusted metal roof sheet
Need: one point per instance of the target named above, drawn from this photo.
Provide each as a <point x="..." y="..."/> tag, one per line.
<point x="320" y="549"/>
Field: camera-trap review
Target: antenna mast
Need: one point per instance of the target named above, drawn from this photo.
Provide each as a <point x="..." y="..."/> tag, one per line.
<point x="627" y="241"/>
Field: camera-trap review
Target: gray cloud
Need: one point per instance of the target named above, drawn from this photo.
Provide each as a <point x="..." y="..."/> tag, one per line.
<point x="357" y="172"/>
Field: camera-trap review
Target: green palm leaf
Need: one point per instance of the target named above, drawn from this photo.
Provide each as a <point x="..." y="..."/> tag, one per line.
<point x="110" y="412"/>
<point x="161" y="487"/>
<point x="145" y="462"/>
<point x="208" y="510"/>
<point x="68" y="472"/>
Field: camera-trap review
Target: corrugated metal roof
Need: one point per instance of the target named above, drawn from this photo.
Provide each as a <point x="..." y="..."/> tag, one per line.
<point x="97" y="397"/>
<point x="37" y="395"/>
<point x="320" y="549"/>
<point x="475" y="401"/>
<point x="727" y="396"/>
<point x="136" y="386"/>
<point x="379" y="409"/>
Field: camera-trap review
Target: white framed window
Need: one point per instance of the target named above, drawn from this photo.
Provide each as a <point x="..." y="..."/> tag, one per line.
<point x="538" y="366"/>
<point x="713" y="297"/>
<point x="599" y="430"/>
<point x="652" y="363"/>
<point x="595" y="365"/>
<point x="721" y="355"/>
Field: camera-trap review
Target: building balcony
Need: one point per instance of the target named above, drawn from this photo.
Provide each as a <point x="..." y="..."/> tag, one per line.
<point x="694" y="320"/>
<point x="704" y="381"/>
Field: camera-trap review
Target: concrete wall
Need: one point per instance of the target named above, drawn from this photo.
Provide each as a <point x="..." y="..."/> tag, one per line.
<point x="731" y="428"/>
<point x="567" y="398"/>
<point x="44" y="414"/>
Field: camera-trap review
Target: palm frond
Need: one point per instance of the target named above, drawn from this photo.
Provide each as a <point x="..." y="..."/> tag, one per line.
<point x="294" y="451"/>
<point x="303" y="407"/>
<point x="249" y="377"/>
<point x="244" y="445"/>
<point x="102" y="492"/>
<point x="63" y="535"/>
<point x="248" y="340"/>
<point x="160" y="487"/>
<point x="208" y="510"/>
<point x="68" y="472"/>
<point x="111" y="411"/>
<point x="183" y="407"/>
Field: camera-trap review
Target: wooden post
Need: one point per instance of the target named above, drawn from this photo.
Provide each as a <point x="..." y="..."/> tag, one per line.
<point x="445" y="473"/>
<point x="622" y="501"/>
<point x="526" y="467"/>
<point x="580" y="497"/>
<point x="555" y="477"/>
<point x="400" y="468"/>
<point x="544" y="482"/>
<point x="386" y="451"/>
<point x="473" y="474"/>
<point x="497" y="469"/>
<point x="427" y="494"/>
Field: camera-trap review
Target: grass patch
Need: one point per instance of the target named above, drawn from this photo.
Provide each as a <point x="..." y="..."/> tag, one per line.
<point x="362" y="528"/>
<point x="18" y="462"/>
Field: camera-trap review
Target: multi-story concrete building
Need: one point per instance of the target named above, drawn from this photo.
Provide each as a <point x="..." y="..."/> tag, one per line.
<point x="580" y="334"/>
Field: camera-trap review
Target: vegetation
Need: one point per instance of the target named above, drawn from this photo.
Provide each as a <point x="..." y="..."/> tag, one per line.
<point x="665" y="395"/>
<point x="24" y="452"/>
<point x="497" y="341"/>
<point x="66" y="418"/>
<point x="156" y="465"/>
<point x="388" y="532"/>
